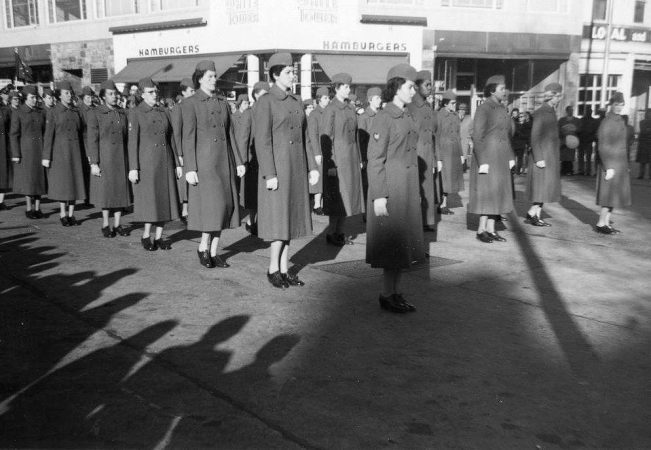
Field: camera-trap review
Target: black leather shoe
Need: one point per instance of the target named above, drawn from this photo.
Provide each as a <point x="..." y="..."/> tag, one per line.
<point x="485" y="237"/>
<point x="148" y="245"/>
<point x="30" y="214"/>
<point x="107" y="232"/>
<point x="72" y="221"/>
<point x="3" y="207"/>
<point x="64" y="220"/>
<point x="219" y="262"/>
<point x="318" y="211"/>
<point x="163" y="244"/>
<point x="535" y="221"/>
<point x="391" y="304"/>
<point x="345" y="239"/>
<point x="252" y="229"/>
<point x="400" y="299"/>
<point x="334" y="239"/>
<point x="38" y="214"/>
<point x="292" y="279"/>
<point x="184" y="220"/>
<point x="122" y="231"/>
<point x="205" y="259"/>
<point x="603" y="230"/>
<point x="277" y="280"/>
<point x="429" y="228"/>
<point x="497" y="237"/>
<point x="613" y="230"/>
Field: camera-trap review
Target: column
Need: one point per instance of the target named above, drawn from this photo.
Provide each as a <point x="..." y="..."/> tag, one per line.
<point x="306" y="76"/>
<point x="252" y="72"/>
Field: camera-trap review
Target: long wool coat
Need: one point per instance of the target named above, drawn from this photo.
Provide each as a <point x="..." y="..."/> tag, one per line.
<point x="176" y="118"/>
<point x="26" y="143"/>
<point x="107" y="146"/>
<point x="448" y="150"/>
<point x="62" y="146"/>
<point x="544" y="185"/>
<point x="210" y="149"/>
<point x="394" y="241"/>
<point x="313" y="144"/>
<point x="279" y="126"/>
<point x="364" y="125"/>
<point x="343" y="194"/>
<point x="242" y="126"/>
<point x="491" y="193"/>
<point x="426" y="123"/>
<point x="5" y="158"/>
<point x="644" y="142"/>
<point x="615" y="192"/>
<point x="152" y="152"/>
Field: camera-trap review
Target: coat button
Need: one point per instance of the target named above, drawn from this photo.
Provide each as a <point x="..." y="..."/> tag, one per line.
<point x="291" y="142"/>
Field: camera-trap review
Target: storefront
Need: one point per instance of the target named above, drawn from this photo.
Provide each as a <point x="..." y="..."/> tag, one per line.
<point x="37" y="57"/>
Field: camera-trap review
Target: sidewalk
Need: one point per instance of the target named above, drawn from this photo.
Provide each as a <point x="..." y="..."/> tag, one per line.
<point x="540" y="341"/>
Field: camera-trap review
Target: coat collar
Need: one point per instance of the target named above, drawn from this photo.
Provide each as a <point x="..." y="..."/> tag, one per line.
<point x="27" y="109"/>
<point x="393" y="110"/>
<point x="339" y="104"/>
<point x="278" y="93"/>
<point x="203" y="96"/>
<point x="62" y="107"/>
<point x="370" y="112"/>
<point x="418" y="100"/>
<point x="103" y="109"/>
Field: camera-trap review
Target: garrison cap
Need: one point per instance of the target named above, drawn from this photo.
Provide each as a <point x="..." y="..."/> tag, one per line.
<point x="424" y="75"/>
<point x="372" y="92"/>
<point x="206" y="64"/>
<point x="496" y="79"/>
<point x="146" y="83"/>
<point x="449" y="95"/>
<point x="14" y="94"/>
<point x="403" y="70"/>
<point x="260" y="86"/>
<point x="322" y="92"/>
<point x="108" y="84"/>
<point x="343" y="78"/>
<point x="48" y="91"/>
<point x="87" y="90"/>
<point x="242" y="98"/>
<point x="280" y="59"/>
<point x="186" y="83"/>
<point x="617" y="97"/>
<point x="64" y="86"/>
<point x="30" y="89"/>
<point x="555" y="87"/>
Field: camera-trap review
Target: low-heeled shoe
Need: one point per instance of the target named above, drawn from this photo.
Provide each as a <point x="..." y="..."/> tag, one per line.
<point x="37" y="214"/>
<point x="485" y="237"/>
<point x="535" y="221"/>
<point x="30" y="214"/>
<point x="252" y="229"/>
<point x="429" y="228"/>
<point x="497" y="237"/>
<point x="334" y="239"/>
<point x="292" y="279"/>
<point x="72" y="221"/>
<point x="163" y="244"/>
<point x="122" y="231"/>
<point x="603" y="229"/>
<point x="390" y="303"/>
<point x="219" y="262"/>
<point x="205" y="259"/>
<point x="445" y="210"/>
<point x="64" y="221"/>
<point x="107" y="232"/>
<point x="400" y="299"/>
<point x="3" y="207"/>
<point x="614" y="230"/>
<point x="345" y="239"/>
<point x="318" y="211"/>
<point x="148" y="245"/>
<point x="277" y="280"/>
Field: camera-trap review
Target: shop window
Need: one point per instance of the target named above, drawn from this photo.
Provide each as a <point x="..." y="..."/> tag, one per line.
<point x="590" y="91"/>
<point x="548" y="6"/>
<point x="110" y="8"/>
<point x="165" y="5"/>
<point x="66" y="10"/>
<point x="599" y="9"/>
<point x="491" y="4"/>
<point x="638" y="16"/>
<point x="21" y="13"/>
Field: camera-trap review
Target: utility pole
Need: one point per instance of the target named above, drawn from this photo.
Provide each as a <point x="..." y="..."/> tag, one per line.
<point x="604" y="74"/>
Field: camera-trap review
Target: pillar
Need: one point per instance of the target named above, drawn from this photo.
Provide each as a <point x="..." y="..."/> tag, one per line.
<point x="252" y="72"/>
<point x="306" y="76"/>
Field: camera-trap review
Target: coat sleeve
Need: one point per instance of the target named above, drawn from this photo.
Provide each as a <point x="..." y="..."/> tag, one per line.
<point x="537" y="137"/>
<point x="189" y="133"/>
<point x="611" y="142"/>
<point x="48" y="137"/>
<point x="363" y="136"/>
<point x="14" y="135"/>
<point x="177" y="127"/>
<point x="311" y="161"/>
<point x="134" y="140"/>
<point x="235" y="144"/>
<point x="326" y="138"/>
<point x="92" y="131"/>
<point x="263" y="135"/>
<point x="436" y="156"/>
<point x="312" y="136"/>
<point x="169" y="136"/>
<point x="479" y="130"/>
<point x="377" y="158"/>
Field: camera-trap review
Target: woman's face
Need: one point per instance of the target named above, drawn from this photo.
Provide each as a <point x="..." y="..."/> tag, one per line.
<point x="285" y="78"/>
<point x="208" y="81"/>
<point x="406" y="92"/>
<point x="618" y="108"/>
<point x="66" y="96"/>
<point x="324" y="101"/>
<point x="343" y="91"/>
<point x="30" y="100"/>
<point x="500" y="92"/>
<point x="375" y="102"/>
<point x="110" y="97"/>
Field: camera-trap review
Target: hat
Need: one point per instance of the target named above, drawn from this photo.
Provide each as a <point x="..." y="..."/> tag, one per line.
<point x="322" y="92"/>
<point x="571" y="141"/>
<point x="205" y="64"/>
<point x="424" y="75"/>
<point x="261" y="85"/>
<point x="108" y="84"/>
<point x="14" y="94"/>
<point x="308" y="102"/>
<point x="87" y="90"/>
<point x="496" y="79"/>
<point x="555" y="87"/>
<point x="280" y="59"/>
<point x="617" y="97"/>
<point x="48" y="91"/>
<point x="147" y="83"/>
<point x="463" y="106"/>
<point x="64" y="86"/>
<point x="30" y="89"/>
<point x="403" y="70"/>
<point x="242" y="98"/>
<point x="449" y="95"/>
<point x="343" y="78"/>
<point x="186" y="83"/>
<point x="372" y="92"/>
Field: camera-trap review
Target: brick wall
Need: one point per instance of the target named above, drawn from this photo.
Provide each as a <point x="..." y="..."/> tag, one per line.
<point x="73" y="61"/>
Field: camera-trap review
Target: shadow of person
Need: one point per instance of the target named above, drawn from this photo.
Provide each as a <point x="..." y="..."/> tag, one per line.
<point x="248" y="244"/>
<point x="315" y="251"/>
<point x="62" y="408"/>
<point x="184" y="235"/>
<point x="585" y="215"/>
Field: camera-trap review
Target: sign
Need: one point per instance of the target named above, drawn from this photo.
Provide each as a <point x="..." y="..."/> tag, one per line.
<point x="242" y="12"/>
<point x="191" y="49"/>
<point x="617" y="33"/>
<point x="368" y="46"/>
<point x="317" y="11"/>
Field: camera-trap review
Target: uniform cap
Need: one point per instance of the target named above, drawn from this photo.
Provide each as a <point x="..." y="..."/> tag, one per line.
<point x="261" y="85"/>
<point x="403" y="70"/>
<point x="496" y="79"/>
<point x="64" y="86"/>
<point x="424" y="75"/>
<point x="322" y="92"/>
<point x="449" y="95"/>
<point x="205" y="64"/>
<point x="87" y="90"/>
<point x="30" y="89"/>
<point x="108" y="84"/>
<point x="48" y="91"/>
<point x="617" y="97"/>
<point x="554" y="87"/>
<point x="342" y="78"/>
<point x="372" y="92"/>
<point x="280" y="59"/>
<point x="146" y="83"/>
<point x="14" y="94"/>
<point x="186" y="83"/>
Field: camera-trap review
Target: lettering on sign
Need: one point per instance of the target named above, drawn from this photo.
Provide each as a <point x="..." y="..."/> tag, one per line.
<point x="317" y="11"/>
<point x="617" y="33"/>
<point x="166" y="51"/>
<point x="365" y="46"/>
<point x="242" y="12"/>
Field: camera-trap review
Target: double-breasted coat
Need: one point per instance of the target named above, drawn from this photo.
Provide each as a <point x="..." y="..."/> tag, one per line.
<point x="615" y="192"/>
<point x="5" y="157"/>
<point x="279" y="128"/>
<point x="26" y="143"/>
<point x="62" y="146"/>
<point x="153" y="153"/>
<point x="107" y="130"/>
<point x="644" y="142"/>
<point x="448" y="150"/>
<point x="426" y="124"/>
<point x="394" y="241"/>
<point x="544" y="185"/>
<point x="242" y="126"/>
<point x="343" y="194"/>
<point x="313" y="144"/>
<point x="491" y="193"/>
<point x="176" y="117"/>
<point x="210" y="149"/>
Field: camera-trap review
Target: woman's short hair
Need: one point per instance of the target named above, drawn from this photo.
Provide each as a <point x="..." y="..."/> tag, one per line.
<point x="274" y="72"/>
<point x="337" y="85"/>
<point x="392" y="87"/>
<point x="445" y="101"/>
<point x="197" y="75"/>
<point x="490" y="89"/>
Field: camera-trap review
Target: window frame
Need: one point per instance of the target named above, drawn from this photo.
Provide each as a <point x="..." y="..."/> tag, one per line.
<point x="638" y="3"/>
<point x="593" y="86"/>
<point x="494" y="4"/>
<point x="594" y="9"/>
<point x="51" y="12"/>
<point x="9" y="14"/>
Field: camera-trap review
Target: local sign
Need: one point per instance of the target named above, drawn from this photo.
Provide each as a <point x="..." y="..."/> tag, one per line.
<point x="617" y="33"/>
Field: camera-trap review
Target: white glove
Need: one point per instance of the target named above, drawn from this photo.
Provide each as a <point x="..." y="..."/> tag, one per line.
<point x="45" y="163"/>
<point x="192" y="177"/>
<point x="610" y="173"/>
<point x="95" y="170"/>
<point x="439" y="165"/>
<point x="241" y="170"/>
<point x="463" y="159"/>
<point x="179" y="172"/>
<point x="483" y="168"/>
<point x="319" y="159"/>
<point x="16" y="160"/>
<point x="380" y="207"/>
<point x="181" y="160"/>
<point x="511" y="163"/>
<point x="272" y="184"/>
<point x="540" y="164"/>
<point x="313" y="177"/>
<point x="133" y="176"/>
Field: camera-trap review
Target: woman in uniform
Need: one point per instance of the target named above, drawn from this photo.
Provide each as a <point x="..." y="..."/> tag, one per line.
<point x="211" y="157"/>
<point x="543" y="176"/>
<point x="395" y="226"/>
<point x="314" y="144"/>
<point x="342" y="161"/>
<point x="283" y="199"/>
<point x="5" y="159"/>
<point x="152" y="163"/>
<point x="107" y="150"/>
<point x="491" y="192"/>
<point x="613" y="175"/>
<point x="187" y="90"/>
<point x="448" y="149"/>
<point x="364" y="124"/>
<point x="242" y="123"/>
<point x="26" y="145"/>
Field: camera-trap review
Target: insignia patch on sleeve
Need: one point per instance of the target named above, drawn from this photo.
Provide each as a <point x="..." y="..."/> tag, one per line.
<point x="376" y="136"/>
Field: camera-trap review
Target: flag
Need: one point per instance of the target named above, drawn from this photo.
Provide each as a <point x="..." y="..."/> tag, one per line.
<point x="23" y="71"/>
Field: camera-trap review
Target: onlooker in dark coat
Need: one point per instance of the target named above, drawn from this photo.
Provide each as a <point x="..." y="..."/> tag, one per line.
<point x="568" y="126"/>
<point x="587" y="139"/>
<point x="644" y="145"/>
<point x="448" y="149"/>
<point x="243" y="129"/>
<point x="364" y="124"/>
<point x="521" y="141"/>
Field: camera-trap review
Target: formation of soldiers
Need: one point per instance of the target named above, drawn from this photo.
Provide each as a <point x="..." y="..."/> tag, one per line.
<point x="216" y="166"/>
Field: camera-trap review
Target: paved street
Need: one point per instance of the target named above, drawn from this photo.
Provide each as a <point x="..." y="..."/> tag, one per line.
<point x="540" y="342"/>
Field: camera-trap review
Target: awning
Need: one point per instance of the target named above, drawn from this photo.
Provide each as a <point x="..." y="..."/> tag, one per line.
<point x="171" y="70"/>
<point x="365" y="69"/>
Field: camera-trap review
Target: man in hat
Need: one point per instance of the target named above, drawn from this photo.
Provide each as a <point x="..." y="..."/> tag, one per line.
<point x="543" y="176"/>
<point x="465" y="130"/>
<point x="426" y="122"/>
<point x="187" y="91"/>
<point x="48" y="99"/>
<point x="313" y="144"/>
<point x="448" y="149"/>
<point x="242" y="127"/>
<point x="569" y="128"/>
<point x="587" y="139"/>
<point x="364" y="124"/>
<point x="26" y="146"/>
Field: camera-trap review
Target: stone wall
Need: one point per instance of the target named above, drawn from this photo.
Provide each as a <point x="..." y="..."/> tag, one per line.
<point x="81" y="57"/>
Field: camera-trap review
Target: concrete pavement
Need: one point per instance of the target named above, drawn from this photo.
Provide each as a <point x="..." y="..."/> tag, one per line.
<point x="539" y="342"/>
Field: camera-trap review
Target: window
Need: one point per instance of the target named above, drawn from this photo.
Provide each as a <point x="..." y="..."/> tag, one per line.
<point x="547" y="6"/>
<point x="98" y="75"/>
<point x="599" y="9"/>
<point x="21" y="13"/>
<point x="590" y="91"/>
<point x="490" y="4"/>
<point x="66" y="10"/>
<point x="638" y="16"/>
<point x="110" y="8"/>
<point x="396" y="2"/>
<point x="164" y="5"/>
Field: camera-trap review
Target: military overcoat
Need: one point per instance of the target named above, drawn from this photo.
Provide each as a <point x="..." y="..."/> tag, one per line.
<point x="279" y="128"/>
<point x="313" y="144"/>
<point x="343" y="194"/>
<point x="364" y="125"/>
<point x="210" y="149"/>
<point x="107" y="130"/>
<point x="6" y="173"/>
<point x="153" y="153"/>
<point x="544" y="185"/>
<point x="26" y="143"/>
<point x="448" y="150"/>
<point x="176" y="117"/>
<point x="242" y="126"/>
<point x="492" y="192"/>
<point x="394" y="241"/>
<point x="426" y="123"/>
<point x="615" y="192"/>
